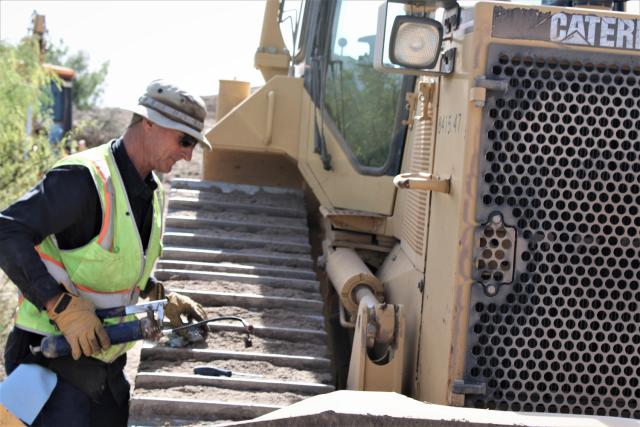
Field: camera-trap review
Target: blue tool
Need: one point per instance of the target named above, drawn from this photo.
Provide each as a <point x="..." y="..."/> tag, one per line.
<point x="149" y="328"/>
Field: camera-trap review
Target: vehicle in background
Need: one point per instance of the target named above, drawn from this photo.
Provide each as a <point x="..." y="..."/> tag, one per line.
<point x="61" y="88"/>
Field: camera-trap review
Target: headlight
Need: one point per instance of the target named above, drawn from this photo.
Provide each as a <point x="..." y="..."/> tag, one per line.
<point x="415" y="42"/>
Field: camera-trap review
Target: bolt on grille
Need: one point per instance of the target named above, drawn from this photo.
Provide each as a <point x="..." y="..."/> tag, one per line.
<point x="560" y="162"/>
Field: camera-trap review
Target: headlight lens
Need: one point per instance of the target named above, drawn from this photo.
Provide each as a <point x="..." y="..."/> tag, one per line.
<point x="415" y="42"/>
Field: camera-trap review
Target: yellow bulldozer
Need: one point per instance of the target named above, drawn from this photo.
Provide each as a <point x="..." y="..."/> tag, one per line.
<point x="449" y="190"/>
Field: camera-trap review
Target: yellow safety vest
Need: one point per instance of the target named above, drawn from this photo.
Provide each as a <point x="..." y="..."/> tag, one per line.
<point x="112" y="268"/>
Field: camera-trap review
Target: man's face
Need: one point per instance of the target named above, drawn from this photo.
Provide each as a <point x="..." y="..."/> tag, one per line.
<point x="167" y="148"/>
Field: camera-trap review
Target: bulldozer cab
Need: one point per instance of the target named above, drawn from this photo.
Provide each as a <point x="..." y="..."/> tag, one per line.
<point x="359" y="119"/>
<point x="354" y="117"/>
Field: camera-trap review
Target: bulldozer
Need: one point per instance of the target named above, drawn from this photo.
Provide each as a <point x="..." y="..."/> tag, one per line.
<point x="439" y="199"/>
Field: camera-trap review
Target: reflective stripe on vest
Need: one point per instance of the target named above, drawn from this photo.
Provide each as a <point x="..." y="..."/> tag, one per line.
<point x="101" y="299"/>
<point x="105" y="237"/>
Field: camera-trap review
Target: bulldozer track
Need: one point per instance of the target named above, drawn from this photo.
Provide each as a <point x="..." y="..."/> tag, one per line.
<point x="239" y="250"/>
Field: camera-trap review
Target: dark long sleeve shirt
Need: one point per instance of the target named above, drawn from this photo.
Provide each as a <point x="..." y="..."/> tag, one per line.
<point x="66" y="204"/>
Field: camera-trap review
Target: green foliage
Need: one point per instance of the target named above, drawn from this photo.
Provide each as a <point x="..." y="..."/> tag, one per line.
<point x="88" y="86"/>
<point x="362" y="102"/>
<point x="24" y="87"/>
<point x="9" y="298"/>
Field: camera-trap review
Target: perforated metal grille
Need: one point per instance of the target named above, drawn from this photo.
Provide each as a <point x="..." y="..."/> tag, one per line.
<point x="560" y="162"/>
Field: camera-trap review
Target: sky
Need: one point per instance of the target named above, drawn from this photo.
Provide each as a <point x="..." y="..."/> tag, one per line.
<point x="192" y="43"/>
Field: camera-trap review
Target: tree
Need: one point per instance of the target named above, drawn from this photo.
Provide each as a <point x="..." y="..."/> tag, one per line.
<point x="88" y="86"/>
<point x="25" y="98"/>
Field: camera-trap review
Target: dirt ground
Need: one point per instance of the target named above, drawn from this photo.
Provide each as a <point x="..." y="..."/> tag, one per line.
<point x="265" y="370"/>
<point x="224" y="394"/>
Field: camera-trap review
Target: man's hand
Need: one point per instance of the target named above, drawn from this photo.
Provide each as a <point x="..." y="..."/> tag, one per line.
<point x="77" y="320"/>
<point x="181" y="305"/>
<point x="177" y="306"/>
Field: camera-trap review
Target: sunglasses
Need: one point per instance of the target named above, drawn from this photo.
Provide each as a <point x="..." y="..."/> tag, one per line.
<point x="187" y="141"/>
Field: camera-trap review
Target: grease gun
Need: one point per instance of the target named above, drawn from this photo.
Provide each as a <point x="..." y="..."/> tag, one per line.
<point x="147" y="328"/>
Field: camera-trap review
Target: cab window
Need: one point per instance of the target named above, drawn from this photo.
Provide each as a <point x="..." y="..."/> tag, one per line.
<point x="362" y="102"/>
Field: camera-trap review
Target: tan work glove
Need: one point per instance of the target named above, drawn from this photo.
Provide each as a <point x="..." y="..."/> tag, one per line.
<point x="77" y="320"/>
<point x="154" y="290"/>
<point x="181" y="305"/>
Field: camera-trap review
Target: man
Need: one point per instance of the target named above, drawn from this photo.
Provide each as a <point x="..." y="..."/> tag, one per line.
<point x="86" y="237"/>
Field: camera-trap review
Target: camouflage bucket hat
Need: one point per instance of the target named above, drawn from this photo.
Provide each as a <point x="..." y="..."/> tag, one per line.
<point x="171" y="107"/>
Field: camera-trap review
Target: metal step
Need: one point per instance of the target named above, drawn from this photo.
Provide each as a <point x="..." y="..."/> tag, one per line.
<point x="195" y="203"/>
<point x="225" y="187"/>
<point x="169" y="353"/>
<point x="272" y="317"/>
<point x="165" y="380"/>
<point x="229" y="255"/>
<point x="181" y="221"/>
<point x="250" y="300"/>
<point x="253" y="241"/>
<point x="152" y="408"/>
<point x="234" y="268"/>
<point x="288" y="334"/>
<point x="276" y="282"/>
<point x="276" y="244"/>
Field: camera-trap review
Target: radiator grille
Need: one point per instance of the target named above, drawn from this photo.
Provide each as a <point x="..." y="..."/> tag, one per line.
<point x="559" y="161"/>
<point x="414" y="223"/>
